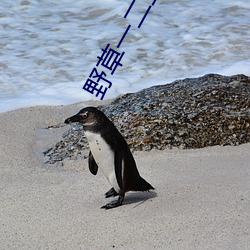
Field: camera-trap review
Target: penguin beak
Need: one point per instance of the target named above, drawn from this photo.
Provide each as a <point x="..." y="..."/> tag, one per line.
<point x="74" y="118"/>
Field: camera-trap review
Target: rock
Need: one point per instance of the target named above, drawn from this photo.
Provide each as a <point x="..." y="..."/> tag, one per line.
<point x="190" y="113"/>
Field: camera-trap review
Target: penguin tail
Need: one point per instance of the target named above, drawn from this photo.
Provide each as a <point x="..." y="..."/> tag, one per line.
<point x="141" y="185"/>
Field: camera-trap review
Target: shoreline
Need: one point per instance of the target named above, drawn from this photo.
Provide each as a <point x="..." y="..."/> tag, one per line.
<point x="201" y="198"/>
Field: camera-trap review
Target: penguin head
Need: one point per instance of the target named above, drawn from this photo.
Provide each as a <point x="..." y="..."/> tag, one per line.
<point x="88" y="117"/>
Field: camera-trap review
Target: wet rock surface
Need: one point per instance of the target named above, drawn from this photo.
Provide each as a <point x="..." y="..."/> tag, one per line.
<point x="190" y="113"/>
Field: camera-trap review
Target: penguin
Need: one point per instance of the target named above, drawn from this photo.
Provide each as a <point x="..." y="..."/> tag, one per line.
<point x="110" y="152"/>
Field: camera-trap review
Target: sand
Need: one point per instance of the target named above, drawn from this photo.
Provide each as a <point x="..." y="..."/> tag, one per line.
<point x="201" y="200"/>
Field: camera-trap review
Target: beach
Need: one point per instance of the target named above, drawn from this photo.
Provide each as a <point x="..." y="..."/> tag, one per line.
<point x="201" y="198"/>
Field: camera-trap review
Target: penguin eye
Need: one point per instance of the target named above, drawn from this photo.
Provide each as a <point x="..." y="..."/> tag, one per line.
<point x="84" y="115"/>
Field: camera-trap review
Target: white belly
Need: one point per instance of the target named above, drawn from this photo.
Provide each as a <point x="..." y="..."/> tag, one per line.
<point x="104" y="157"/>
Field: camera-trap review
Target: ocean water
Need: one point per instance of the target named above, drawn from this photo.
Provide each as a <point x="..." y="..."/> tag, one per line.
<point x="49" y="48"/>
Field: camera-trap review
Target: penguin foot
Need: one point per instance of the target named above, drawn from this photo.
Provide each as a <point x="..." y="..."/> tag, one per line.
<point x="111" y="193"/>
<point x="113" y="204"/>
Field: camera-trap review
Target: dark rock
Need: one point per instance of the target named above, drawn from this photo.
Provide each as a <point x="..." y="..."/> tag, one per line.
<point x="190" y="113"/>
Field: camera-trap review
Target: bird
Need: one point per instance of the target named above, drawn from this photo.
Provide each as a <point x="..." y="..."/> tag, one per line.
<point x="110" y="153"/>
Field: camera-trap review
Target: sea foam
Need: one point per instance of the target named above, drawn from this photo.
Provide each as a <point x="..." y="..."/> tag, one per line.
<point x="48" y="49"/>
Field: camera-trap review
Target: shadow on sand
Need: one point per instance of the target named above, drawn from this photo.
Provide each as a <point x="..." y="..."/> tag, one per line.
<point x="138" y="198"/>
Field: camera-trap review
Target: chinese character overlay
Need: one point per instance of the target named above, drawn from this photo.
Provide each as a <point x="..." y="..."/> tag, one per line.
<point x="110" y="59"/>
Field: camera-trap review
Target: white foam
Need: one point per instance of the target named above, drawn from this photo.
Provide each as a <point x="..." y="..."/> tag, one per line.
<point x="242" y="67"/>
<point x="48" y="48"/>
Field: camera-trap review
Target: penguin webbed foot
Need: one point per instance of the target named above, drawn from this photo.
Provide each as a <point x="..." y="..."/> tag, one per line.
<point x="115" y="203"/>
<point x="111" y="193"/>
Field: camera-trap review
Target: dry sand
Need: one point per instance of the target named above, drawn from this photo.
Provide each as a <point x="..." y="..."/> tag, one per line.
<point x="201" y="201"/>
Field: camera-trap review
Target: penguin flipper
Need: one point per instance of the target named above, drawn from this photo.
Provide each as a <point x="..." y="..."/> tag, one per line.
<point x="118" y="166"/>
<point x="93" y="167"/>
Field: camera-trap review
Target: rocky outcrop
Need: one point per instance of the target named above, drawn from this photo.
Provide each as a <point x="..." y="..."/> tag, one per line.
<point x="190" y="113"/>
